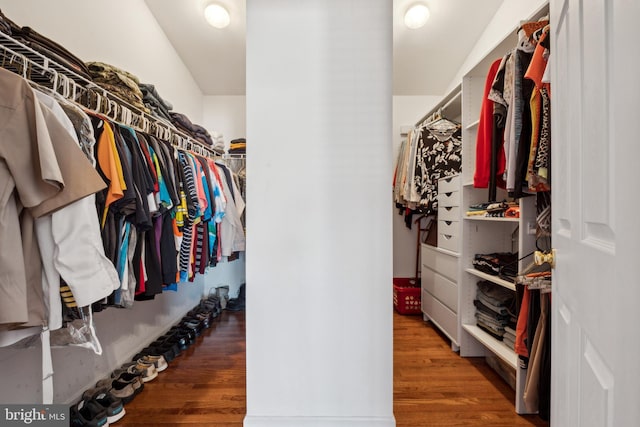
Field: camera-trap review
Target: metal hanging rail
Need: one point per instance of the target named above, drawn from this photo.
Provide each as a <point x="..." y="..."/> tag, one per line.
<point x="34" y="66"/>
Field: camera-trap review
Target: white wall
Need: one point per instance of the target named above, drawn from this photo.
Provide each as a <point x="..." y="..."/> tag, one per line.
<point x="122" y="33"/>
<point x="319" y="298"/>
<point x="407" y="110"/>
<point x="227" y="115"/>
<point x="506" y="20"/>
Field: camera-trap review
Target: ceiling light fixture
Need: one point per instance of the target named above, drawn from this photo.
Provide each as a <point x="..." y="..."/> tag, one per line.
<point x="416" y="16"/>
<point x="217" y="16"/>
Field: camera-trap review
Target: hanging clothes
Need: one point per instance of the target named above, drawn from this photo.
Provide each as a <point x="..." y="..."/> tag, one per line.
<point x="44" y="170"/>
<point x="438" y="155"/>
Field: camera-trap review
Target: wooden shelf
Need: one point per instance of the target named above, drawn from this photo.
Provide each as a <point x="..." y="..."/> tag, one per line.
<point x="491" y="218"/>
<point x="492" y="279"/>
<point x="493" y="345"/>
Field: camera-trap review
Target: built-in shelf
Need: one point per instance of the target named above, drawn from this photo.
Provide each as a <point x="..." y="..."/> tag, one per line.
<point x="468" y="184"/>
<point x="491" y="218"/>
<point x="495" y="346"/>
<point x="492" y="278"/>
<point x="473" y="124"/>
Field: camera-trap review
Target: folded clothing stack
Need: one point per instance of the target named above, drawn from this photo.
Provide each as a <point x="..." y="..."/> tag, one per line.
<point x="509" y="337"/>
<point x="238" y="146"/>
<point x="497" y="263"/>
<point x="197" y="132"/>
<point x="153" y="101"/>
<point x="495" y="209"/>
<point x="44" y="46"/>
<point x="218" y="141"/>
<point x="119" y="82"/>
<point x="494" y="308"/>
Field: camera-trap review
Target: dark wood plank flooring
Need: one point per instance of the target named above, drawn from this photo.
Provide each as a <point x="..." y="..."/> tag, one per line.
<point x="205" y="386"/>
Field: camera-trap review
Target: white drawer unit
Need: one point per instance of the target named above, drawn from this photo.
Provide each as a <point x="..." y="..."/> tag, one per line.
<point x="445" y="289"/>
<point x="449" y="184"/>
<point x="439" y="275"/>
<point x="448" y="199"/>
<point x="440" y="262"/>
<point x="450" y="242"/>
<point x="451" y="213"/>
<point x="445" y="319"/>
<point x="450" y="228"/>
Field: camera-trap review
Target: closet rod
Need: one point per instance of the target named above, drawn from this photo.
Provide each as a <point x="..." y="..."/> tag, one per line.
<point x="23" y="60"/>
<point x="453" y="97"/>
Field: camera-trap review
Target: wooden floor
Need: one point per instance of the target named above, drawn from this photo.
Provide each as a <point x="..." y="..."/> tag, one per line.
<point x="205" y="386"/>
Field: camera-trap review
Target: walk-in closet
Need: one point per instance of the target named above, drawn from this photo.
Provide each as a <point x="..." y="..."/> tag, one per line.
<point x="325" y="213"/>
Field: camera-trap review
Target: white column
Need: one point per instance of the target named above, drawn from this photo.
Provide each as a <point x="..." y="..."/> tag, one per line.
<point x="319" y="171"/>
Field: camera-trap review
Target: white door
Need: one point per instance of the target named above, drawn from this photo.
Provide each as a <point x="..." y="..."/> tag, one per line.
<point x="596" y="213"/>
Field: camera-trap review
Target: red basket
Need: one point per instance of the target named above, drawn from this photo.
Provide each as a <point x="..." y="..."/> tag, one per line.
<point x="406" y="295"/>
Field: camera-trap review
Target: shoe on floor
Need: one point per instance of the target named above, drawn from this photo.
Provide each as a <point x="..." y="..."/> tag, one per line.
<point x="88" y="414"/>
<point x="146" y="369"/>
<point x="111" y="404"/>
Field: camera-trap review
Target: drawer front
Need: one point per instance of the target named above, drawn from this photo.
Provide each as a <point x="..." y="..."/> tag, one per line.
<point x="451" y="198"/>
<point x="444" y="264"/>
<point x="449" y="213"/>
<point x="449" y="228"/>
<point x="440" y="287"/>
<point x="449" y="242"/>
<point x="449" y="184"/>
<point x="440" y="315"/>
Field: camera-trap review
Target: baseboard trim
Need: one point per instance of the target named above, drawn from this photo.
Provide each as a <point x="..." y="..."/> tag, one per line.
<point x="261" y="421"/>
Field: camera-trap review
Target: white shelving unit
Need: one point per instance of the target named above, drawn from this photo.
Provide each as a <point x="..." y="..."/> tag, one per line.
<point x="487" y="234"/>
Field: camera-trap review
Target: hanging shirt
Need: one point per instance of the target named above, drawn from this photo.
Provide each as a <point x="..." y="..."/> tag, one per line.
<point x="438" y="154"/>
<point x="41" y="170"/>
<point x="71" y="246"/>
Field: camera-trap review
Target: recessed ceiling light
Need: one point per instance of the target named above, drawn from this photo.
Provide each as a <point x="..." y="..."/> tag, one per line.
<point x="217" y="16"/>
<point x="416" y="16"/>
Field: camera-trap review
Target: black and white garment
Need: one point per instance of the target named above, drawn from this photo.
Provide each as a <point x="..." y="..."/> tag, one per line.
<point x="438" y="155"/>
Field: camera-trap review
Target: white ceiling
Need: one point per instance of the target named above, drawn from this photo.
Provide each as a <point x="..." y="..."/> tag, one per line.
<point x="424" y="60"/>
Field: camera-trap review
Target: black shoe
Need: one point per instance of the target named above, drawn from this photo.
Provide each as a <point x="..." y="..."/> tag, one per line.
<point x="110" y="403"/>
<point x="88" y="414"/>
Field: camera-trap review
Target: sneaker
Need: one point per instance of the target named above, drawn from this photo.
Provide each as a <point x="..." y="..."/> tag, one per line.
<point x="147" y="370"/>
<point x="88" y="414"/>
<point x="119" y="389"/>
<point x="111" y="404"/>
<point x="158" y="349"/>
<point x="158" y="361"/>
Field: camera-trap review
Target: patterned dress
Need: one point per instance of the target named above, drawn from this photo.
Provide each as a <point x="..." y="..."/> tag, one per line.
<point x="439" y="154"/>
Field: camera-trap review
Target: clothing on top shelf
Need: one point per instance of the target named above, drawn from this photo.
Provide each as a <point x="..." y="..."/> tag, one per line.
<point x="183" y="123"/>
<point x="238" y="146"/>
<point x="49" y="48"/>
<point x="155" y="103"/>
<point x="497" y="263"/>
<point x="118" y="81"/>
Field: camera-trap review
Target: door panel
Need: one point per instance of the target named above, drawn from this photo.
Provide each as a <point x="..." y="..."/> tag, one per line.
<point x="595" y="155"/>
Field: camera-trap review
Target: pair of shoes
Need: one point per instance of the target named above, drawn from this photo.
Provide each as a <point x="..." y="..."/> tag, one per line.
<point x="110" y="403"/>
<point x="213" y="303"/>
<point x="146" y="370"/>
<point x="194" y="324"/>
<point x="123" y="385"/>
<point x="88" y="414"/>
<point x="160" y="355"/>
